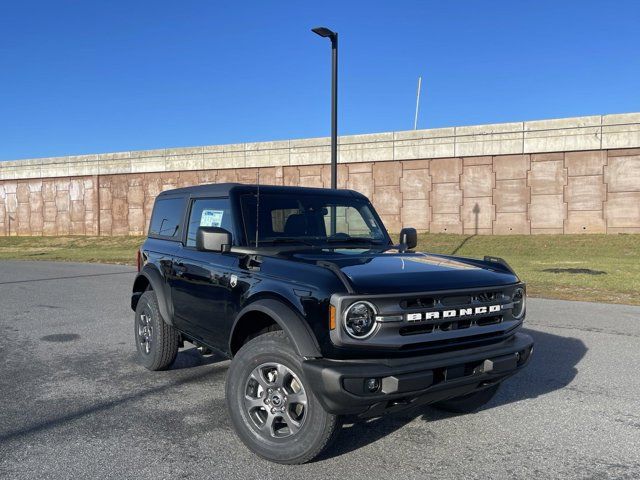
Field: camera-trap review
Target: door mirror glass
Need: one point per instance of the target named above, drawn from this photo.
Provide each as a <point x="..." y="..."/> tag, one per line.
<point x="409" y="237"/>
<point x="213" y="239"/>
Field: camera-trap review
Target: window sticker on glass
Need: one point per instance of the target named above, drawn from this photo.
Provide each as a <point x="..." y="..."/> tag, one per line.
<point x="211" y="218"/>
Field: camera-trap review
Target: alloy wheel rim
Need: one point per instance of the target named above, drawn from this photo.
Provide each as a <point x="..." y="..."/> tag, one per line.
<point x="145" y="332"/>
<point x="275" y="401"/>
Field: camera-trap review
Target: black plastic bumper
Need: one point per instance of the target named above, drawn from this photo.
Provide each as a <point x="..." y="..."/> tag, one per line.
<point x="341" y="387"/>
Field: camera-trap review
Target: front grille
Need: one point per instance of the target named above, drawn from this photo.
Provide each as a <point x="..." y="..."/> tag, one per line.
<point x="447" y="326"/>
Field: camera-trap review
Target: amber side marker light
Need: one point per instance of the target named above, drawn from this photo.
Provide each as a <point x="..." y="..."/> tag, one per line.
<point x="332" y="317"/>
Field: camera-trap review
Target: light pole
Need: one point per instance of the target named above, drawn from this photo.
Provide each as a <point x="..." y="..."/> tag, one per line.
<point x="333" y="36"/>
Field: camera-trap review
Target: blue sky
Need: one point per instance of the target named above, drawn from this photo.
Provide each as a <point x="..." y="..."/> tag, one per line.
<point x="97" y="76"/>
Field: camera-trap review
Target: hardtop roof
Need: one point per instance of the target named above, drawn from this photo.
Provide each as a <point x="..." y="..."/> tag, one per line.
<point x="224" y="189"/>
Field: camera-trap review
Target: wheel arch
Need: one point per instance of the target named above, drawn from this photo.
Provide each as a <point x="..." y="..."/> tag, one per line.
<point x="266" y="312"/>
<point x="150" y="278"/>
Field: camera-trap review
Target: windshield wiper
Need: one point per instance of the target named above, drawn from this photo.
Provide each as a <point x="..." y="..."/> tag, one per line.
<point x="354" y="240"/>
<point x="288" y="240"/>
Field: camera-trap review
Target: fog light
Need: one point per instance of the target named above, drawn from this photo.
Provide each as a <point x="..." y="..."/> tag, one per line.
<point x="372" y="384"/>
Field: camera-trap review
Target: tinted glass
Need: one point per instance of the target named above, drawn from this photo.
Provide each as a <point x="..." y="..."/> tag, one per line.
<point x="208" y="212"/>
<point x="307" y="218"/>
<point x="167" y="217"/>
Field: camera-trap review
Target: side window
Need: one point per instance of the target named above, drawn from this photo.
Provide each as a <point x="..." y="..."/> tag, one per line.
<point x="208" y="212"/>
<point x="167" y="217"/>
<point x="350" y="221"/>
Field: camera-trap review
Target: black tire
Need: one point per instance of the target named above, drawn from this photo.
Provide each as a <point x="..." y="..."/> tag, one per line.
<point x="468" y="403"/>
<point x="157" y="343"/>
<point x="257" y="368"/>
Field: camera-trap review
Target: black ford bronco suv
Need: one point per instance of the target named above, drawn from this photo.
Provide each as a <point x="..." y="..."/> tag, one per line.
<point x="321" y="313"/>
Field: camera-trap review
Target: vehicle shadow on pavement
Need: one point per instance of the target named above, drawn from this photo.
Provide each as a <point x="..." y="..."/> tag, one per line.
<point x="552" y="367"/>
<point x="191" y="357"/>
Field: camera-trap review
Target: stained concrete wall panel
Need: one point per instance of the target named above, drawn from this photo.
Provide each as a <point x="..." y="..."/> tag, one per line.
<point x="50" y="211"/>
<point x="76" y="189"/>
<point x="49" y="229"/>
<point x="508" y="167"/>
<point x="76" y="211"/>
<point x="267" y="176"/>
<point x="106" y="222"/>
<point x="387" y="173"/>
<point x="415" y="184"/>
<point x="547" y="178"/>
<point x="478" y="215"/>
<point x="585" y="163"/>
<point x="63" y="223"/>
<point x="387" y="200"/>
<point x="62" y="200"/>
<point x="207" y="176"/>
<point x="48" y="190"/>
<point x="11" y="202"/>
<point x="477" y="180"/>
<point x="90" y="224"/>
<point x="361" y="182"/>
<point x="291" y="176"/>
<point x="622" y="174"/>
<point x="445" y="170"/>
<point x="547" y="157"/>
<point x="136" y="221"/>
<point x="135" y="196"/>
<point x="22" y="192"/>
<point x="511" y="223"/>
<point x="35" y="202"/>
<point x="445" y="223"/>
<point x="470" y="161"/>
<point x="343" y="176"/>
<point x="120" y="214"/>
<point x="622" y="210"/>
<point x="22" y="218"/>
<point x="585" y="222"/>
<point x="446" y="198"/>
<point x="511" y="196"/>
<point x="416" y="214"/>
<point x="311" y="181"/>
<point x="119" y="186"/>
<point x="586" y="193"/>
<point x="547" y="211"/>
<point x="227" y="176"/>
<point x="365" y="167"/>
<point x="393" y="223"/>
<point x="187" y="179"/>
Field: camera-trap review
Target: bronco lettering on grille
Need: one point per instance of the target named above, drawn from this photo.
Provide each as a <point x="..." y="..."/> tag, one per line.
<point x="454" y="313"/>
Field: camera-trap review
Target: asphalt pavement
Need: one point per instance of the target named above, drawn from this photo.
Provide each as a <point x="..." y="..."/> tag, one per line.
<point x="74" y="403"/>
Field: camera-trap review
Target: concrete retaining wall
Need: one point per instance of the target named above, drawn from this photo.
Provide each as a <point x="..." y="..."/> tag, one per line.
<point x="576" y="175"/>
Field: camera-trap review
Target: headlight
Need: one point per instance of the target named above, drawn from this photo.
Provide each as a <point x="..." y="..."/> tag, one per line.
<point x="360" y="320"/>
<point x="519" y="300"/>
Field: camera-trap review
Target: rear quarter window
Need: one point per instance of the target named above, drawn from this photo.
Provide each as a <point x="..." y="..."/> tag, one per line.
<point x="166" y="219"/>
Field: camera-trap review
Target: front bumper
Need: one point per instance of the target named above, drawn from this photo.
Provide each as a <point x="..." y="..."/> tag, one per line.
<point x="405" y="382"/>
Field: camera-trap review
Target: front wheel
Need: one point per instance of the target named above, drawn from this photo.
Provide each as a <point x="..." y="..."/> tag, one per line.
<point x="156" y="341"/>
<point x="272" y="406"/>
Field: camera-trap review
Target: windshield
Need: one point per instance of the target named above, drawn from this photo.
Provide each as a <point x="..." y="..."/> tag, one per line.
<point x="308" y="220"/>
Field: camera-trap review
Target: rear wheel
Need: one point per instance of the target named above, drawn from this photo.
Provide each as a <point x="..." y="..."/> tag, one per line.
<point x="156" y="341"/>
<point x="468" y="403"/>
<point x="272" y="407"/>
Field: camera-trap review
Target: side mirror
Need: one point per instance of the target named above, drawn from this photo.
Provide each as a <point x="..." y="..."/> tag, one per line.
<point x="409" y="238"/>
<point x="213" y="239"/>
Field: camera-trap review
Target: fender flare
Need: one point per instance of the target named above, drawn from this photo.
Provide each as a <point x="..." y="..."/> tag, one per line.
<point x="157" y="284"/>
<point x="298" y="330"/>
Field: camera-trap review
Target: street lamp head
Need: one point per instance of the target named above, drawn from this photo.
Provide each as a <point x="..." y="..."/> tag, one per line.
<point x="324" y="32"/>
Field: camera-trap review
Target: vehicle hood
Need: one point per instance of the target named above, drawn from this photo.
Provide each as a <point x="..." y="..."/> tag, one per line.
<point x="392" y="272"/>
